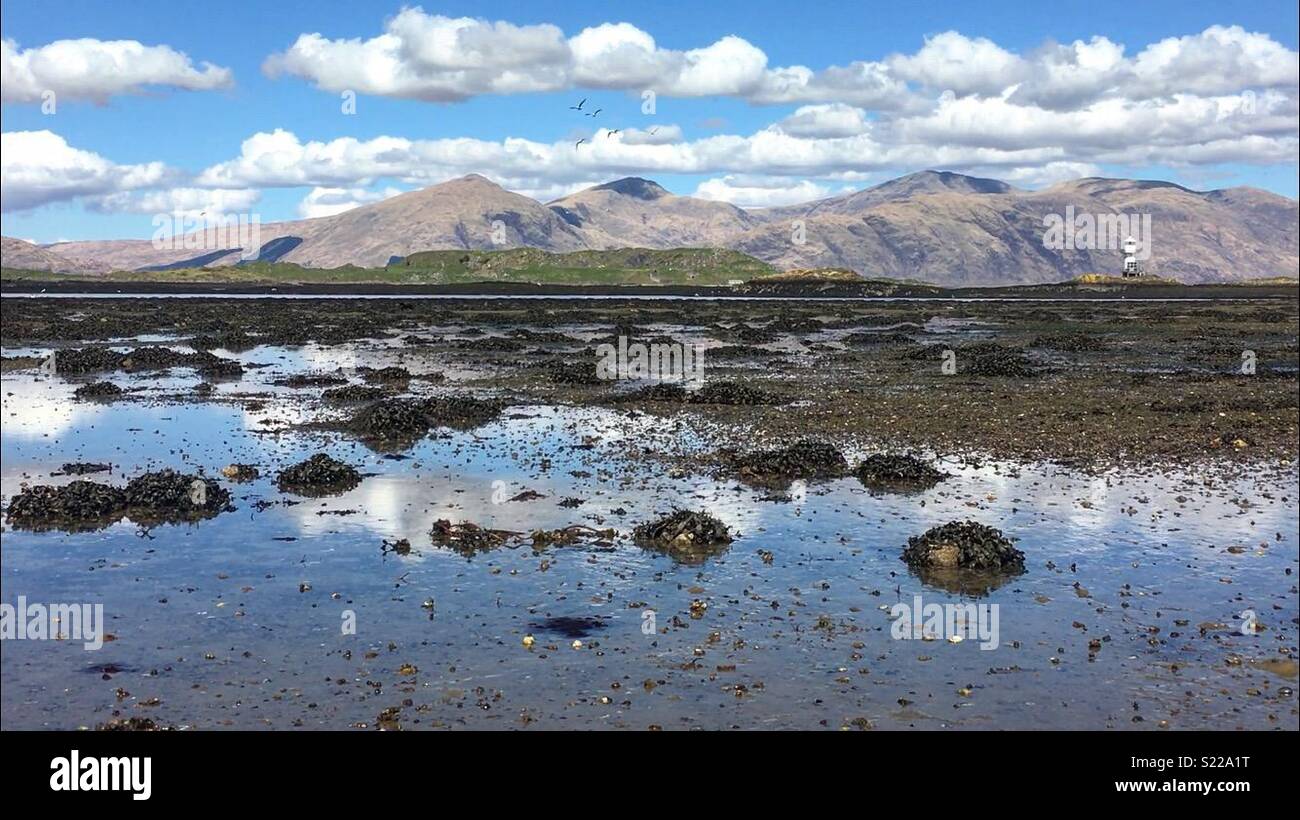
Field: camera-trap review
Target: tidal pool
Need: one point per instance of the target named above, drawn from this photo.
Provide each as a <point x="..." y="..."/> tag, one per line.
<point x="289" y="611"/>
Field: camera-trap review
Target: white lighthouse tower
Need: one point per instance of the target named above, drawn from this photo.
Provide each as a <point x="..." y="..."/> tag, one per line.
<point x="1132" y="268"/>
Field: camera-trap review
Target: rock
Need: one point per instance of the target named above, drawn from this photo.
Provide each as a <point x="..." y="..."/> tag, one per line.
<point x="897" y="472"/>
<point x="240" y="472"/>
<point x="687" y="536"/>
<point x="804" y="459"/>
<point x="318" y="475"/>
<point x="466" y="538"/>
<point x="964" y="545"/>
<point x="97" y="391"/>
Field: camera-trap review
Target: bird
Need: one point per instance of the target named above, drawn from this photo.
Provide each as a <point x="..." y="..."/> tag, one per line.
<point x="612" y="132"/>
<point x="579" y="142"/>
<point x="594" y="113"/>
<point x="578" y="107"/>
<point x="654" y="130"/>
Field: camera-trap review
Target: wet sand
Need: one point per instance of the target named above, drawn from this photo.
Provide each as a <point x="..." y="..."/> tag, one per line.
<point x="1149" y="482"/>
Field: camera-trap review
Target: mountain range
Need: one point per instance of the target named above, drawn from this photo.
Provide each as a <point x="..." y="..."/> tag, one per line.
<point x="941" y="227"/>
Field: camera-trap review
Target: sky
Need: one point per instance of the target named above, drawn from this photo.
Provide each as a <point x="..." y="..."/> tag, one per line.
<point x="117" y="113"/>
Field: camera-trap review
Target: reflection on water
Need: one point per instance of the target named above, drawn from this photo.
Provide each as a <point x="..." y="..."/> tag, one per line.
<point x="1128" y="615"/>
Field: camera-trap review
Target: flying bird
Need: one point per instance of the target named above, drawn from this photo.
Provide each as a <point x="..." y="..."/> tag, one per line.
<point x="594" y="113"/>
<point x="578" y="107"/>
<point x="654" y="130"/>
<point x="612" y="132"/>
<point x="579" y="142"/>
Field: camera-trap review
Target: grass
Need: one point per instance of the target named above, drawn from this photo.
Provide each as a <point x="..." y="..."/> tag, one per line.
<point x="627" y="266"/>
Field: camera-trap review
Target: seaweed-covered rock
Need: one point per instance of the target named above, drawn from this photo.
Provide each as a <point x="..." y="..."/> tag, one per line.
<point x="493" y="344"/>
<point x="1070" y="342"/>
<point x="77" y="505"/>
<point x="399" y="422"/>
<point x="216" y="367"/>
<point x="353" y="394"/>
<point x="661" y="391"/>
<point x="466" y="538"/>
<point x="897" y="472"/>
<point x="311" y="380"/>
<point x="564" y="371"/>
<point x="385" y="375"/>
<point x="98" y="391"/>
<point x="687" y="536"/>
<point x="734" y="393"/>
<point x="169" y="495"/>
<point x="83" y="467"/>
<point x="995" y="362"/>
<point x="964" y="545"/>
<point x="152" y="357"/>
<point x="867" y="339"/>
<point x="461" y="412"/>
<point x="158" y="497"/>
<point x="803" y="459"/>
<point x="318" y="475"/>
<point x="85" y="360"/>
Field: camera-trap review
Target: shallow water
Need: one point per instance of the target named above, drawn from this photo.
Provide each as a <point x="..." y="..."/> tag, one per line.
<point x="237" y="621"/>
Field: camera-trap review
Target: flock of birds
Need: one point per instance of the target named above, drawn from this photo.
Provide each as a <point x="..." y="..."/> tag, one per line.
<point x="611" y="132"/>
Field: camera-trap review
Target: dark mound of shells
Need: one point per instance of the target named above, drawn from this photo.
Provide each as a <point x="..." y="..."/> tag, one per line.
<point x="318" y="475"/>
<point x="898" y="472"/>
<point x="687" y="536"/>
<point x="964" y="545"/>
<point x="804" y="459"/>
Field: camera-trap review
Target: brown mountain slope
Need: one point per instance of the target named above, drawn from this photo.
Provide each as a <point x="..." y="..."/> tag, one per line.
<point x="24" y="255"/>
<point x="983" y="235"/>
<point x="635" y="212"/>
<point x="940" y="227"/>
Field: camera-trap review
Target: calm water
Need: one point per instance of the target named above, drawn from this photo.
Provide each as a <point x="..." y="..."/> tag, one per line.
<point x="237" y="621"/>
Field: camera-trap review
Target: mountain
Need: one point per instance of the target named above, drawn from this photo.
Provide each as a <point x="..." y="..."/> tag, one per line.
<point x="955" y="230"/>
<point x="638" y="213"/>
<point x="19" y="253"/>
<point x="937" y="226"/>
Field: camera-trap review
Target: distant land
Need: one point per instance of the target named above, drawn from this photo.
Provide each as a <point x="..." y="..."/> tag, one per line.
<point x="943" y="228"/>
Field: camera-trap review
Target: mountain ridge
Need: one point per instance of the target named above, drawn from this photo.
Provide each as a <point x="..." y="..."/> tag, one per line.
<point x="940" y="226"/>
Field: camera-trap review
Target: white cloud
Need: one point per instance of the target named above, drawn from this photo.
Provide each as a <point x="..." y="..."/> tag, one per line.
<point x="431" y="57"/>
<point x="39" y="167"/>
<point x="652" y="135"/>
<point x="331" y="201"/>
<point x="760" y="193"/>
<point x="822" y="121"/>
<point x="88" y="69"/>
<point x="954" y="62"/>
<point x="189" y="202"/>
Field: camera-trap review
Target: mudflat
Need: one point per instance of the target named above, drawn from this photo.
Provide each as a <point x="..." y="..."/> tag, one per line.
<point x="455" y="480"/>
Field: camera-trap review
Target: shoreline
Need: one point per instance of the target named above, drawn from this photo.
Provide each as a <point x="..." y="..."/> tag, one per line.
<point x="753" y="290"/>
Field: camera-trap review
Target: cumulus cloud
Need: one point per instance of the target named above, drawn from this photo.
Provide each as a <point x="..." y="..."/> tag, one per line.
<point x="39" y="167"/>
<point x="821" y="121"/>
<point x="961" y="64"/>
<point x="191" y="203"/>
<point x="331" y="201"/>
<point x="653" y="135"/>
<point x="431" y="57"/>
<point x="445" y="59"/>
<point x="759" y="192"/>
<point x="95" y="70"/>
<point x="1224" y="95"/>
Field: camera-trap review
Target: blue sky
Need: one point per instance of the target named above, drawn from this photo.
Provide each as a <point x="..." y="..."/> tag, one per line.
<point x="189" y="131"/>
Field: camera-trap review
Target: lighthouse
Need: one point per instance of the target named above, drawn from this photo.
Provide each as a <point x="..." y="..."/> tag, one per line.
<point x="1132" y="268"/>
